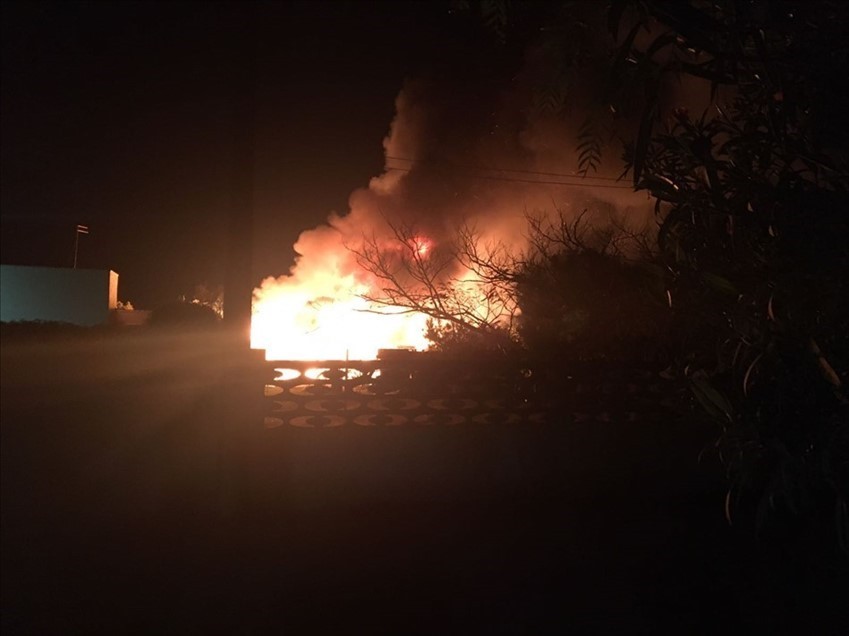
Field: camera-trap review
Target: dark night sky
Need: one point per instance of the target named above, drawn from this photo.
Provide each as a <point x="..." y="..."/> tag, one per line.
<point x="117" y="115"/>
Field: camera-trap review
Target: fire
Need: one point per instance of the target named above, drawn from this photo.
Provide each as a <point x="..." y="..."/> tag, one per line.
<point x="317" y="321"/>
<point x="321" y="309"/>
<point x="422" y="246"/>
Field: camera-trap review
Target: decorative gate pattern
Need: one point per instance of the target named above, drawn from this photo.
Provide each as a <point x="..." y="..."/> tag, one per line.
<point x="427" y="390"/>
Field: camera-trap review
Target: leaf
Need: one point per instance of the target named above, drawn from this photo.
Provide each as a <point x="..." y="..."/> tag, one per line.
<point x="614" y="16"/>
<point x="716" y="404"/>
<point x="665" y="233"/>
<point x="623" y="53"/>
<point x="841" y="522"/>
<point x="706" y="72"/>
<point x="589" y="156"/>
<point x="749" y="373"/>
<point x="644" y="135"/>
<point x="720" y="284"/>
<point x="660" y="42"/>
<point x="728" y="507"/>
<point x="495" y="17"/>
<point x="827" y="371"/>
<point x="660" y="188"/>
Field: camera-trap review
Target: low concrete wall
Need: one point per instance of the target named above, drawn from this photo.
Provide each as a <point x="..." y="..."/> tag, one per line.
<point x="55" y="294"/>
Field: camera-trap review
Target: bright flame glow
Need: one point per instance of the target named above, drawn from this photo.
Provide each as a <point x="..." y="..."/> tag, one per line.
<point x="294" y="322"/>
<point x="421" y="245"/>
<point x="287" y="374"/>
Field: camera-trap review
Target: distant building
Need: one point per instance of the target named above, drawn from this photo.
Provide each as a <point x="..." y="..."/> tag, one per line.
<point x="77" y="296"/>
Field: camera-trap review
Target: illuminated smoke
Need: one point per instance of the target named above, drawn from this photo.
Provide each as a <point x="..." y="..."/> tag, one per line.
<point x="457" y="153"/>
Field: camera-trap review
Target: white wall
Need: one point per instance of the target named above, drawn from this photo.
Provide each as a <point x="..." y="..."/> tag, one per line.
<point x="78" y="296"/>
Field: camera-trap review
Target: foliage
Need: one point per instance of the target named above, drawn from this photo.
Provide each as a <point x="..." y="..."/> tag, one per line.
<point x="184" y="314"/>
<point x="589" y="148"/>
<point x="583" y="297"/>
<point x="456" y="340"/>
<point x="211" y="296"/>
<point x="564" y="295"/>
<point x="752" y="199"/>
<point x="751" y="193"/>
<point x="588" y="305"/>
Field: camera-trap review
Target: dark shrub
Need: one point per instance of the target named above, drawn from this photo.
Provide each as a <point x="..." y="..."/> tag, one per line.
<point x="183" y="314"/>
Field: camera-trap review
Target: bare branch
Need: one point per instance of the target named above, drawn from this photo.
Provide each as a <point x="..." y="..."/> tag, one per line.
<point x="471" y="283"/>
<point x="415" y="278"/>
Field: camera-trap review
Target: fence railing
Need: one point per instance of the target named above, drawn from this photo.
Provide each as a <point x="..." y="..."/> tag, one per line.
<point x="428" y="389"/>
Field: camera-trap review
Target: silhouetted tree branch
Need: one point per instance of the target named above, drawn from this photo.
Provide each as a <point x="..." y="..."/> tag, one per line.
<point x="481" y="287"/>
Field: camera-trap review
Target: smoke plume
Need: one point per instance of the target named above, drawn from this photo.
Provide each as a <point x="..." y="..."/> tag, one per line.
<point x="465" y="151"/>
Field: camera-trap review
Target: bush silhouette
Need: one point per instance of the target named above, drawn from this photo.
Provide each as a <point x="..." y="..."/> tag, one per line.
<point x="183" y="314"/>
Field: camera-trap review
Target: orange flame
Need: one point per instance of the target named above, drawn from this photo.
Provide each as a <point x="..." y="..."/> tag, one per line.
<point x="292" y="325"/>
<point x="422" y="245"/>
<point x="322" y="315"/>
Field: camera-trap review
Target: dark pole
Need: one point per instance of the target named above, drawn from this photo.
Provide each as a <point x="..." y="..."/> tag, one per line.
<point x="239" y="403"/>
<point x="238" y="284"/>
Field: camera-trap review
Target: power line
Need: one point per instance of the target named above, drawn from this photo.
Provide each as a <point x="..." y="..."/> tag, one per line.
<point x="536" y="181"/>
<point x="516" y="170"/>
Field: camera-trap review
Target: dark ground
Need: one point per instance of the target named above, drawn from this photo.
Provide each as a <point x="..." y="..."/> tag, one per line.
<point x="139" y="495"/>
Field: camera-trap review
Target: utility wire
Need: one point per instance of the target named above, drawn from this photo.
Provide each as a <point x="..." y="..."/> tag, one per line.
<point x="531" y="172"/>
<point x="537" y="181"/>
